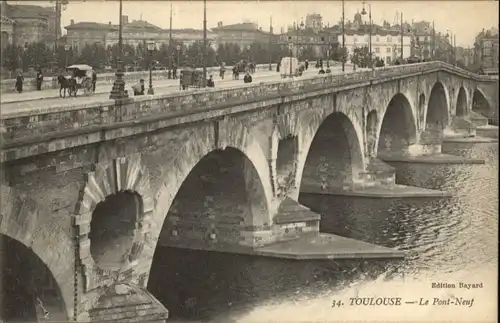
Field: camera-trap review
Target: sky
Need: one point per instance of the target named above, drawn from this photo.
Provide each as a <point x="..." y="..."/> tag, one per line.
<point x="463" y="18"/>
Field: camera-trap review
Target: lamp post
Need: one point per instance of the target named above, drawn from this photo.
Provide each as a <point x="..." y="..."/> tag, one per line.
<point x="344" y="54"/>
<point x="170" y="46"/>
<point x="66" y="50"/>
<point x="151" y="48"/>
<point x="363" y="12"/>
<point x="270" y="35"/>
<point x="291" y="55"/>
<point x="402" y="33"/>
<point x="118" y="92"/>
<point x="204" y="43"/>
<point x="178" y="55"/>
<point x="449" y="35"/>
<point x="248" y="53"/>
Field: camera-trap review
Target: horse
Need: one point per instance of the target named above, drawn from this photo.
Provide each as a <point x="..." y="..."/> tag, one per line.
<point x="68" y="84"/>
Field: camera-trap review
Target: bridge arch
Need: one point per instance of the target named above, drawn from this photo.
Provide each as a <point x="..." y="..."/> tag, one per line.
<point x="30" y="291"/>
<point x="437" y="117"/>
<point x="480" y="104"/>
<point x="334" y="155"/>
<point x="461" y="107"/>
<point x="202" y="162"/>
<point x="398" y="128"/>
<point x="222" y="194"/>
<point x="31" y="234"/>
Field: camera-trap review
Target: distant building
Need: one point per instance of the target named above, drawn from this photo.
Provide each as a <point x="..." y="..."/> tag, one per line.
<point x="87" y="33"/>
<point x="244" y="34"/>
<point x="25" y="24"/>
<point x="421" y="40"/>
<point x="310" y="39"/>
<point x="486" y="50"/>
<point x="133" y="33"/>
<point x="386" y="40"/>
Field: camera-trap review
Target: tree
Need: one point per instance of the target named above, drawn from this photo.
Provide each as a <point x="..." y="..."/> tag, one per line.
<point x="10" y="57"/>
<point x="360" y="56"/>
<point x="340" y="54"/>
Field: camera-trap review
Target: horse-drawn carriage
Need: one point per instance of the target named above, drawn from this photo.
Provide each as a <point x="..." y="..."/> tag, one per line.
<point x="81" y="78"/>
<point x="190" y="78"/>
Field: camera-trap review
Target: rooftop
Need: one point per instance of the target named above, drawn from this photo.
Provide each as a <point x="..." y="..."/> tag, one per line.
<point x="141" y="24"/>
<point x="25" y="11"/>
<point x="91" y="25"/>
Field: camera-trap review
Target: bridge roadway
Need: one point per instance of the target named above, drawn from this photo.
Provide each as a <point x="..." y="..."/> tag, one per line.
<point x="49" y="97"/>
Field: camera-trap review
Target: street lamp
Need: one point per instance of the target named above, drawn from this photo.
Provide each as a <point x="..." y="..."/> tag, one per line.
<point x="363" y="12"/>
<point x="270" y="43"/>
<point x="249" y="52"/>
<point x="178" y="55"/>
<point x="344" y="54"/>
<point x="204" y="43"/>
<point x="450" y="36"/>
<point x="66" y="50"/>
<point x="151" y="48"/>
<point x="118" y="92"/>
<point x="290" y="46"/>
<point x="170" y="46"/>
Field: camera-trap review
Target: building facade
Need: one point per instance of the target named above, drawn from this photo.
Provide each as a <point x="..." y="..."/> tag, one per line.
<point x="87" y="33"/>
<point x="387" y="42"/>
<point x="134" y="33"/>
<point x="486" y="50"/>
<point x="310" y="39"/>
<point x="25" y="24"/>
<point x="244" y="34"/>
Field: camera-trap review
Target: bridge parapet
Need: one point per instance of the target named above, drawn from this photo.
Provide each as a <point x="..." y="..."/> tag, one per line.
<point x="18" y="128"/>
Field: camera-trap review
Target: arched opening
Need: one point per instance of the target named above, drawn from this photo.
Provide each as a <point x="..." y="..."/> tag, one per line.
<point x="371" y="132"/>
<point x="421" y="109"/>
<point x="398" y="130"/>
<point x="461" y="109"/>
<point x="219" y="202"/>
<point x="221" y="197"/>
<point x="29" y="291"/>
<point x="480" y="104"/>
<point x="437" y="109"/>
<point x="334" y="158"/>
<point x="286" y="162"/>
<point x="113" y="227"/>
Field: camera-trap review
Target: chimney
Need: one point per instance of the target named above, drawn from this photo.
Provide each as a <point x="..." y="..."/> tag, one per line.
<point x="124" y="19"/>
<point x="109" y="23"/>
<point x="72" y="22"/>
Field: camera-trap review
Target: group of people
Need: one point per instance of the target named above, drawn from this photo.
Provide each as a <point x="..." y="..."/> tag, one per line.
<point x="20" y="81"/>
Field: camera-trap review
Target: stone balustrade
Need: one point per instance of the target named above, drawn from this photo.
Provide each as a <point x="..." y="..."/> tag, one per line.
<point x="17" y="127"/>
<point x="8" y="85"/>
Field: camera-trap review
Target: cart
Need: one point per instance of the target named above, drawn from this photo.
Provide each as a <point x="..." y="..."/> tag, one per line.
<point x="82" y="76"/>
<point x="190" y="78"/>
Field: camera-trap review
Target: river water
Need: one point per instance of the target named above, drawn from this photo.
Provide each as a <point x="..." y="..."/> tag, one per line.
<point x="448" y="241"/>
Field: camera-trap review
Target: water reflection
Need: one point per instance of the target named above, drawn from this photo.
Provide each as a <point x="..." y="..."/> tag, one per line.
<point x="447" y="239"/>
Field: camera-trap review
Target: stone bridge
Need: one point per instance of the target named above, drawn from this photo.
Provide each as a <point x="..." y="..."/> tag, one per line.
<point x="88" y="192"/>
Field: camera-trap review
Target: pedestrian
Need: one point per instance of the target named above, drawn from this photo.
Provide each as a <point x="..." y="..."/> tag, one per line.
<point x="236" y="73"/>
<point x="210" y="82"/>
<point x="222" y="71"/>
<point x="321" y="71"/>
<point x="19" y="82"/>
<point x="307" y="64"/>
<point x="94" y="80"/>
<point x="39" y="79"/>
<point x="139" y="88"/>
<point x="278" y="66"/>
<point x="174" y="71"/>
<point x="247" y="78"/>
